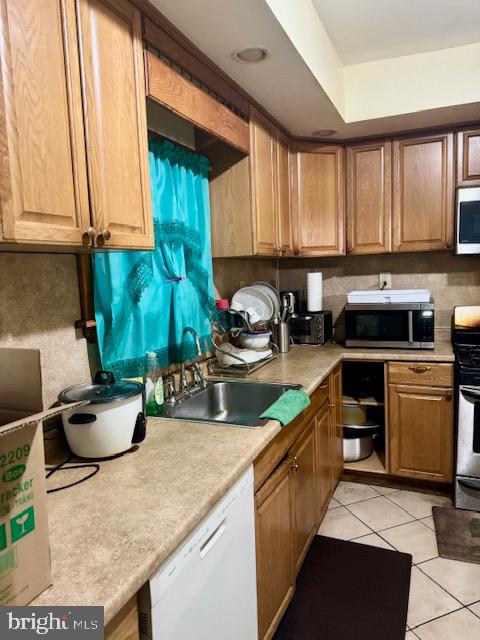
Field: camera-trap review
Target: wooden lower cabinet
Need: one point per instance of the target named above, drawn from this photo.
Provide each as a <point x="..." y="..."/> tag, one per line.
<point x="124" y="625"/>
<point x="421" y="432"/>
<point x="304" y="494"/>
<point x="323" y="445"/>
<point x="295" y="477"/>
<point x="336" y="425"/>
<point x="274" y="540"/>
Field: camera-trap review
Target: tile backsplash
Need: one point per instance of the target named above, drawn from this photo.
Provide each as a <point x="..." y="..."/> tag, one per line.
<point x="453" y="280"/>
<point x="39" y="304"/>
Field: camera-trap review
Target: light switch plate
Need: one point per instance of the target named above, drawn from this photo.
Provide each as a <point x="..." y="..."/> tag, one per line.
<point x="385" y="277"/>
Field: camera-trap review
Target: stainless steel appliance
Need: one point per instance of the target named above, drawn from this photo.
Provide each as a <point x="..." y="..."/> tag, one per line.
<point x="466" y="338"/>
<point x="403" y="326"/>
<point x="468" y="220"/>
<point x="311" y="328"/>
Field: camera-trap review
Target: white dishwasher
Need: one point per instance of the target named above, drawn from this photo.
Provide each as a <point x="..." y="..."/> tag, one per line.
<point x="207" y="589"/>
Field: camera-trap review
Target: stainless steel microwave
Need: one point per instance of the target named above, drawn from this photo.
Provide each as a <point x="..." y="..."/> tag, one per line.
<point x="468" y="220"/>
<point x="401" y="326"/>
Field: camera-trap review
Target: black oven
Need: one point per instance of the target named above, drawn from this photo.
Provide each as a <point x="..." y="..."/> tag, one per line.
<point x="402" y="326"/>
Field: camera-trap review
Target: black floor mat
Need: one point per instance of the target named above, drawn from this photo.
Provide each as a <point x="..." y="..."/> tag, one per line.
<point x="349" y="591"/>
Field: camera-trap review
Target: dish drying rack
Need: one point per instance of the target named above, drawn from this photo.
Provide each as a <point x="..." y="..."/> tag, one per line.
<point x="243" y="368"/>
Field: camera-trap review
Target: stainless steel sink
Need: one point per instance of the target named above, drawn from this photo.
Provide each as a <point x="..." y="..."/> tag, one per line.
<point x="229" y="402"/>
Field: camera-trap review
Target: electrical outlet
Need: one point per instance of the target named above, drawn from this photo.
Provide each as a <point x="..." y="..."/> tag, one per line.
<point x="384" y="280"/>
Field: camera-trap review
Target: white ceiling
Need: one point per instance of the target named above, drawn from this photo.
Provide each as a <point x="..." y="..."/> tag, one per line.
<point x="366" y="30"/>
<point x="285" y="85"/>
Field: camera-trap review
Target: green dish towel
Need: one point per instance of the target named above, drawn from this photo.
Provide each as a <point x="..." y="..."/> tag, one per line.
<point x="288" y="406"/>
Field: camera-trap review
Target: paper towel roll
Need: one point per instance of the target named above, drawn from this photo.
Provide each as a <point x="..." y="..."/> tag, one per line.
<point x="314" y="291"/>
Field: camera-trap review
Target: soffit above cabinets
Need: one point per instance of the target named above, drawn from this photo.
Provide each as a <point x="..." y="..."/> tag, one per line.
<point x="372" y="30"/>
<point x="361" y="69"/>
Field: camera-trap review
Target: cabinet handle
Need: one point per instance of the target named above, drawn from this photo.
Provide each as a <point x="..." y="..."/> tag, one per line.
<point x="295" y="466"/>
<point x="105" y="235"/>
<point x="323" y="386"/>
<point x="91" y="233"/>
<point x="449" y="245"/>
<point x="332" y="405"/>
<point x="419" y="369"/>
<point x="296" y="252"/>
<point x="448" y="397"/>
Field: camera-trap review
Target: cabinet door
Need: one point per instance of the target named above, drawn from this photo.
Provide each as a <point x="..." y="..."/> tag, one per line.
<point x="323" y="459"/>
<point x="468" y="158"/>
<point x="336" y="426"/>
<point x="421" y="432"/>
<point x="262" y="167"/>
<point x="43" y="187"/>
<point x="305" y="511"/>
<point x="115" y="121"/>
<point x="273" y="542"/>
<point x="318" y="200"/>
<point x="369" y="197"/>
<point x="423" y="193"/>
<point x="282" y="182"/>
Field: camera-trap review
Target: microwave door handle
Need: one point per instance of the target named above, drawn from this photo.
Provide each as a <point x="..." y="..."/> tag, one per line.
<point x="410" y="326"/>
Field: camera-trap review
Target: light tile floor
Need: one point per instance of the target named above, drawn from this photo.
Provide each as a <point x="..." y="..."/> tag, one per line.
<point x="444" y="594"/>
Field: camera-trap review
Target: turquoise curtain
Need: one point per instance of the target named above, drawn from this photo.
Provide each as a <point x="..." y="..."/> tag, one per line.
<point x="144" y="299"/>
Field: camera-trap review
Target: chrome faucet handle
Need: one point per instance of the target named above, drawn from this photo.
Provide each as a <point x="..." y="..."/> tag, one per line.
<point x="198" y="379"/>
<point x="183" y="386"/>
<point x="170" y="389"/>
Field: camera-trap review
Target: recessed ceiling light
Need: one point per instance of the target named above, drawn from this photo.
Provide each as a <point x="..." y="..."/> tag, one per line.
<point x="251" y="55"/>
<point x="324" y="133"/>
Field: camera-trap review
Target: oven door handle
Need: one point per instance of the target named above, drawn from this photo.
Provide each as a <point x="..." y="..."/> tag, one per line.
<point x="471" y="394"/>
<point x="410" y="326"/>
<point x="469" y="484"/>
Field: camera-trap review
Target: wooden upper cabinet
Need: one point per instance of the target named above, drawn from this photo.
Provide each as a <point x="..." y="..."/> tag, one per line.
<point x="113" y="81"/>
<point x="369" y="197"/>
<point x="43" y="187"/>
<point x="423" y="193"/>
<point x="282" y="182"/>
<point x="468" y="158"/>
<point x="318" y="200"/>
<point x="262" y="169"/>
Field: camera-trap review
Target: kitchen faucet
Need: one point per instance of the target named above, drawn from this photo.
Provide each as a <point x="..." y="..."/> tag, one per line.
<point x="197" y="374"/>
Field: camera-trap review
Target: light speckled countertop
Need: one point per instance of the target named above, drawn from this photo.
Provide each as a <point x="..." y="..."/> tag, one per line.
<point x="111" y="533"/>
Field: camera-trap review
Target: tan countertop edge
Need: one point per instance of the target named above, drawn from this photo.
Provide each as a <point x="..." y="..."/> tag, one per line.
<point x="111" y="533"/>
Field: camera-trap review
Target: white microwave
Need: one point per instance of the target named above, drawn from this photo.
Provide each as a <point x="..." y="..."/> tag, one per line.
<point x="468" y="220"/>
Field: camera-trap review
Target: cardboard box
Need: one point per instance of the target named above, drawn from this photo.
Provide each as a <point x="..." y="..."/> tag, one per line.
<point x="24" y="549"/>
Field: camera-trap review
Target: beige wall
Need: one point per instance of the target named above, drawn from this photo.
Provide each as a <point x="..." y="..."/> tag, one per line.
<point x="453" y="280"/>
<point x="38" y="307"/>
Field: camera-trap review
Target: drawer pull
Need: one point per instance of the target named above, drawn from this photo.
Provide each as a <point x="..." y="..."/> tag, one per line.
<point x="295" y="466"/>
<point x="323" y="386"/>
<point x="419" y="369"/>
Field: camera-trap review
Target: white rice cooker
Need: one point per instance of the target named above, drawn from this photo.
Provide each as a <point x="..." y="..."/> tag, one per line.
<point x="110" y="423"/>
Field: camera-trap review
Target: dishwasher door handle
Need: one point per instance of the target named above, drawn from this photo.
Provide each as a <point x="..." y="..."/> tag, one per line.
<point x="213" y="539"/>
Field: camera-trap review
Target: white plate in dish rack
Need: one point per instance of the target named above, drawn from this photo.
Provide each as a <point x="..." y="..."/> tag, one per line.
<point x="271" y="292"/>
<point x="388" y="296"/>
<point x="256" y="303"/>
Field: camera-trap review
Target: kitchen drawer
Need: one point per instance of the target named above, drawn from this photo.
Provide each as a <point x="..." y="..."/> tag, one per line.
<point x="437" y="374"/>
